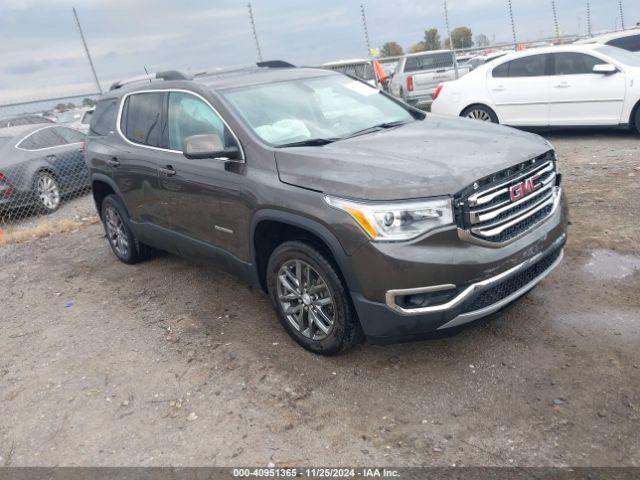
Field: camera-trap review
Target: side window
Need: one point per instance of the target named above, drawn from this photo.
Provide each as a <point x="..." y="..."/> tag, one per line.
<point x="189" y="115"/>
<point x="104" y="116"/>
<point x="531" y="66"/>
<point x="46" y="138"/>
<point x="142" y="118"/>
<point x="574" y="63"/>
<point x="501" y="70"/>
<point x="631" y="43"/>
<point x="70" y="135"/>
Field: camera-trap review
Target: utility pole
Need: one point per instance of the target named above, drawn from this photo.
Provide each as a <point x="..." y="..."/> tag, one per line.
<point x="453" y="52"/>
<point x="621" y="14"/>
<point x="555" y="18"/>
<point x="513" y="25"/>
<point x="366" y="30"/>
<point x="86" y="49"/>
<point x="588" y="19"/>
<point x="253" y="29"/>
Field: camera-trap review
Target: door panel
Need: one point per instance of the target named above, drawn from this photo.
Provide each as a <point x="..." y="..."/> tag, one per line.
<point x="580" y="97"/>
<point x="520" y="91"/>
<point x="203" y="197"/>
<point x="136" y="170"/>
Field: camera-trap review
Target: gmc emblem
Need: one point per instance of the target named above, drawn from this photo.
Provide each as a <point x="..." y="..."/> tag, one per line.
<point x="524" y="188"/>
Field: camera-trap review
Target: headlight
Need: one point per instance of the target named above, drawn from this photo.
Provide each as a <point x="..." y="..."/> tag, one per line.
<point x="397" y="220"/>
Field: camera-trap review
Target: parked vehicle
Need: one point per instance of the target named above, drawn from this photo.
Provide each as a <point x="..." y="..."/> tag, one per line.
<point x="626" y="39"/>
<point x="17" y="120"/>
<point x="418" y="74"/>
<point x="78" y="118"/>
<point x="39" y="165"/>
<point x="478" y="60"/>
<point x="358" y="214"/>
<point x="572" y="85"/>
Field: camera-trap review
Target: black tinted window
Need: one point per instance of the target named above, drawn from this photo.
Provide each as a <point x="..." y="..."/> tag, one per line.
<point x="631" y="43"/>
<point x="501" y="70"/>
<point x="531" y="66"/>
<point x="432" y="61"/>
<point x="103" y="119"/>
<point x="70" y="135"/>
<point x="143" y="117"/>
<point x="574" y="63"/>
<point x="43" y="139"/>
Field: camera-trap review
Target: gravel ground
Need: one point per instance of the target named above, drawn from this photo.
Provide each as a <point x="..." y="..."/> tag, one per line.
<point x="171" y="363"/>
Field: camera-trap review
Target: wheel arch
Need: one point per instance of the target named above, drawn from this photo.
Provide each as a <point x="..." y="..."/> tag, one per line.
<point x="101" y="186"/>
<point x="480" y="104"/>
<point x="632" y="117"/>
<point x="271" y="228"/>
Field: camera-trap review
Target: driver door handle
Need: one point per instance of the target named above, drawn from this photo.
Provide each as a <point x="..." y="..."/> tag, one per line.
<point x="113" y="161"/>
<point x="168" y="171"/>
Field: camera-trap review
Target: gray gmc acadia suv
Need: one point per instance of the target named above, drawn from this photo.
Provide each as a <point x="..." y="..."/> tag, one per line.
<point x="358" y="214"/>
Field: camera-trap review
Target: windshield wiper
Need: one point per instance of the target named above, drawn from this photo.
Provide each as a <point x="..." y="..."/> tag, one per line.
<point x="377" y="128"/>
<point x="311" y="142"/>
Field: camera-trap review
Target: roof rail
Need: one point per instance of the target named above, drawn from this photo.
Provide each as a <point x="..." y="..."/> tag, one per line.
<point x="166" y="75"/>
<point x="275" y="64"/>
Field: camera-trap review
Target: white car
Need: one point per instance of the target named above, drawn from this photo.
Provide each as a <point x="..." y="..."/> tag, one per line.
<point x="571" y="85"/>
<point x="626" y="39"/>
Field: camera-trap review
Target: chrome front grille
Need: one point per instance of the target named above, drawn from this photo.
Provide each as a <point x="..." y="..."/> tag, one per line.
<point x="486" y="210"/>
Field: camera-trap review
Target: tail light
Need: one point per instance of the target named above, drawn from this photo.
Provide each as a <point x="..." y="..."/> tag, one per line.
<point x="2" y="177"/>
<point x="84" y="148"/>
<point x="410" y="83"/>
<point x="437" y="92"/>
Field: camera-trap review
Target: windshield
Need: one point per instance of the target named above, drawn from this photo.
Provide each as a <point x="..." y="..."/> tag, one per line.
<point x="329" y="107"/>
<point x="68" y="117"/>
<point x="620" y="55"/>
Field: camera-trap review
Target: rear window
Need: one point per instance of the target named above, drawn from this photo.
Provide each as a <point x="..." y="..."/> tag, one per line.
<point x="141" y="118"/>
<point x="103" y="119"/>
<point x="433" y="61"/>
<point x="631" y="43"/>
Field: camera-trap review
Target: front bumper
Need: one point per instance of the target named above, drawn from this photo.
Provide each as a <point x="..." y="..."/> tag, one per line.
<point x="482" y="280"/>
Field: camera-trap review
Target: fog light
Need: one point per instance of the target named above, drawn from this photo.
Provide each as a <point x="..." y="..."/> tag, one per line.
<point x="426" y="299"/>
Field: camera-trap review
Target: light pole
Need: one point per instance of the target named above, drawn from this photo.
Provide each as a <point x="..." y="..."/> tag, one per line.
<point x="86" y="49"/>
<point x="253" y="29"/>
<point x="453" y="52"/>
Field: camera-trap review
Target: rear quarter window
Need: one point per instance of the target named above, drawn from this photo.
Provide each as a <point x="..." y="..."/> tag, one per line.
<point x="103" y="119"/>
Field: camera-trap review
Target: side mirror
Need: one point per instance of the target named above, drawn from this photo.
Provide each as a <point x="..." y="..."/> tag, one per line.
<point x="604" y="68"/>
<point x="208" y="146"/>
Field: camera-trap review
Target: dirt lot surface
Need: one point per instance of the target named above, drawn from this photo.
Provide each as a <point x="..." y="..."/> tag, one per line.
<point x="171" y="363"/>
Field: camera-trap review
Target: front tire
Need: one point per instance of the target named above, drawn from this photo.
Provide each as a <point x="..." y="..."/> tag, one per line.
<point x="310" y="299"/>
<point x="481" y="113"/>
<point x="123" y="243"/>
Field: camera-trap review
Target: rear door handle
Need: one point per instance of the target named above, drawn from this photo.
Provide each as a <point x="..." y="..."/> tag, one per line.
<point x="499" y="88"/>
<point x="563" y="85"/>
<point x="51" y="158"/>
<point x="113" y="161"/>
<point x="168" y="171"/>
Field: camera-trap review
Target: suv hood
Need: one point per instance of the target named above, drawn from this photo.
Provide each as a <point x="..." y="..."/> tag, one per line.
<point x="435" y="156"/>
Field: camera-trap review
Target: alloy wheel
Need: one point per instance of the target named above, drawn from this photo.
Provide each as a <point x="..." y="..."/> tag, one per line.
<point x="305" y="299"/>
<point x="479" y="114"/>
<point x="116" y="233"/>
<point x="48" y="192"/>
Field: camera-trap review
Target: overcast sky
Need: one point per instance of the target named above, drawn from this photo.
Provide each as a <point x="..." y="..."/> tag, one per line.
<point x="41" y="54"/>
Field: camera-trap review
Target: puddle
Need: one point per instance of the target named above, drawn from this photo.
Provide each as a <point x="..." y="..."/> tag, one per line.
<point x="611" y="265"/>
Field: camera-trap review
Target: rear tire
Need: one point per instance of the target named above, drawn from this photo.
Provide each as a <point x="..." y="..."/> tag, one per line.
<point x="310" y="300"/>
<point x="47" y="192"/>
<point x="481" y="113"/>
<point x="123" y="243"/>
<point x="636" y="120"/>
